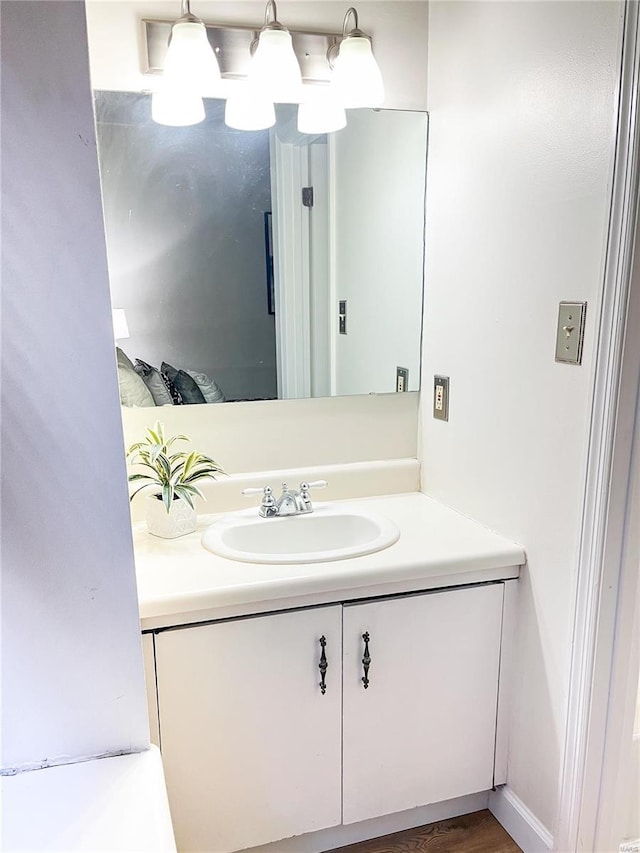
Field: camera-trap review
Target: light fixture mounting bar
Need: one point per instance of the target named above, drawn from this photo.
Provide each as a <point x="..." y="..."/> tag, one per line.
<point x="231" y="46"/>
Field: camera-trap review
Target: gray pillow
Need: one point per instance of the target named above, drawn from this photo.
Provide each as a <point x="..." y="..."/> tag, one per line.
<point x="133" y="391"/>
<point x="210" y="390"/>
<point x="152" y="378"/>
<point x="187" y="388"/>
<point x="169" y="373"/>
<point x="182" y="386"/>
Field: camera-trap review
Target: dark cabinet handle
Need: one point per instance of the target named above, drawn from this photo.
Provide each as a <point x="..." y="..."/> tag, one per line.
<point x="322" y="666"/>
<point x="366" y="660"/>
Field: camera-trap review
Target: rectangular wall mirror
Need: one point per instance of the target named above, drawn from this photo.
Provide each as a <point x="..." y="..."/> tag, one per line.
<point x="224" y="264"/>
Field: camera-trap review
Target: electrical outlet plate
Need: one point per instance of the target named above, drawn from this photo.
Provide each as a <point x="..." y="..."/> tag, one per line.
<point x="441" y="398"/>
<point x="402" y="379"/>
<point x="570" y="332"/>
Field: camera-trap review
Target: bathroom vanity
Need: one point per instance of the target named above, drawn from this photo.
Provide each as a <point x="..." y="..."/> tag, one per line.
<point x="288" y="699"/>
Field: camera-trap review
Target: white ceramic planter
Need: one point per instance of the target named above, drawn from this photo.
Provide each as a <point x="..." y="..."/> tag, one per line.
<point x="180" y="520"/>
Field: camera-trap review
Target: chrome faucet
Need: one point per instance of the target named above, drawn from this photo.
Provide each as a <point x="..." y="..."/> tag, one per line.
<point x="290" y="502"/>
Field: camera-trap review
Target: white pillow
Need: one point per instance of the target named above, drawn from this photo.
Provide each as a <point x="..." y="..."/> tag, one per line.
<point x="133" y="391"/>
<point x="123" y="358"/>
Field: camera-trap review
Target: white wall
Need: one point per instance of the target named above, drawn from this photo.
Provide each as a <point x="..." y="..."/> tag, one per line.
<point x="72" y="679"/>
<point x="377" y="174"/>
<point x="522" y="111"/>
<point x="398" y="29"/>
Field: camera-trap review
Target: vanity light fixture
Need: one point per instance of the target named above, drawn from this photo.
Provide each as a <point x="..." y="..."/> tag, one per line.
<point x="177" y="108"/>
<point x="249" y="110"/>
<point x="322" y="72"/>
<point x="190" y="63"/>
<point x="190" y="70"/>
<point x="274" y="71"/>
<point x="356" y="79"/>
<point x="321" y="113"/>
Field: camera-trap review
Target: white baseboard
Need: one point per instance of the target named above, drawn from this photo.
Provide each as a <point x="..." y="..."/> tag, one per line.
<point x="521" y="824"/>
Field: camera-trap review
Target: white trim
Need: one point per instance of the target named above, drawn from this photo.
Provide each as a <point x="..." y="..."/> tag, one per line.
<point x="604" y="507"/>
<point x="340" y="836"/>
<point x="320" y="309"/>
<point x="521" y="824"/>
<point x="289" y="173"/>
<point x="613" y="780"/>
<point x="333" y="271"/>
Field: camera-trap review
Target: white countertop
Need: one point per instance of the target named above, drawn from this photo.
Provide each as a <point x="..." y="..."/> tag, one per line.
<point x="108" y="805"/>
<point x="179" y="582"/>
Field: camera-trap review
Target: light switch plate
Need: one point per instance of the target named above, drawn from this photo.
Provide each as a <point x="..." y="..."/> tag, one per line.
<point x="402" y="379"/>
<point x="570" y="332"/>
<point x="441" y="398"/>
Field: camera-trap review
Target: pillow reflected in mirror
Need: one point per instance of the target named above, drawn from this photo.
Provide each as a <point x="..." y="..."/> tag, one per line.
<point x="152" y="378"/>
<point x="210" y="389"/>
<point x="133" y="391"/>
<point x="181" y="385"/>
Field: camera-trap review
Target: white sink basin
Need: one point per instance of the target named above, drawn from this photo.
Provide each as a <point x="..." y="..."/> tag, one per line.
<point x="330" y="532"/>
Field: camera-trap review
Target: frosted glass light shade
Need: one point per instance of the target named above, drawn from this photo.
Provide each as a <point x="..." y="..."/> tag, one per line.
<point x="177" y="107"/>
<point x="190" y="61"/>
<point x="249" y="111"/>
<point x="120" y="327"/>
<point x="323" y="114"/>
<point x="356" y="80"/>
<point x="274" y="71"/>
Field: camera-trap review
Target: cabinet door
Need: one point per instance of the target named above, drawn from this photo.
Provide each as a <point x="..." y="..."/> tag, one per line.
<point x="424" y="729"/>
<point x="250" y="744"/>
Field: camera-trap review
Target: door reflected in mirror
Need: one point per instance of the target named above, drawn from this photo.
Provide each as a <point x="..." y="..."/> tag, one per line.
<point x="265" y="264"/>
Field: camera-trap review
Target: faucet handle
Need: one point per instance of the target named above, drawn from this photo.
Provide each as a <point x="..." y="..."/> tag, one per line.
<point x="266" y="492"/>
<point x="304" y="490"/>
<point x="268" y="506"/>
<point x="252" y="490"/>
<point x="317" y="484"/>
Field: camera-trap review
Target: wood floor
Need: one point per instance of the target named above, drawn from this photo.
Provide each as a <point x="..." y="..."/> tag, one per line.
<point x="479" y="832"/>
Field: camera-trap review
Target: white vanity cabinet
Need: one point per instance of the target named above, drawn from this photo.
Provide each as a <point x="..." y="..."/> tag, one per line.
<point x="250" y="743"/>
<point x="254" y="751"/>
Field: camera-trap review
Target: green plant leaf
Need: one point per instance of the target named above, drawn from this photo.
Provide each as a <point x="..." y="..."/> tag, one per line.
<point x="212" y="462"/>
<point x="167" y="496"/>
<point x="163" y="467"/>
<point x="174" y="438"/>
<point x="201" y="473"/>
<point x="194" y="490"/>
<point x="133" y="477"/>
<point x="177" y="459"/>
<point x="153" y="468"/>
<point x="189" y="462"/>
<point x="146" y="486"/>
<point x="183" y="493"/>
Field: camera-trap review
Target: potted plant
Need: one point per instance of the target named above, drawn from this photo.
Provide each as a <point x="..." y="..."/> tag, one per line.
<point x="170" y="511"/>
